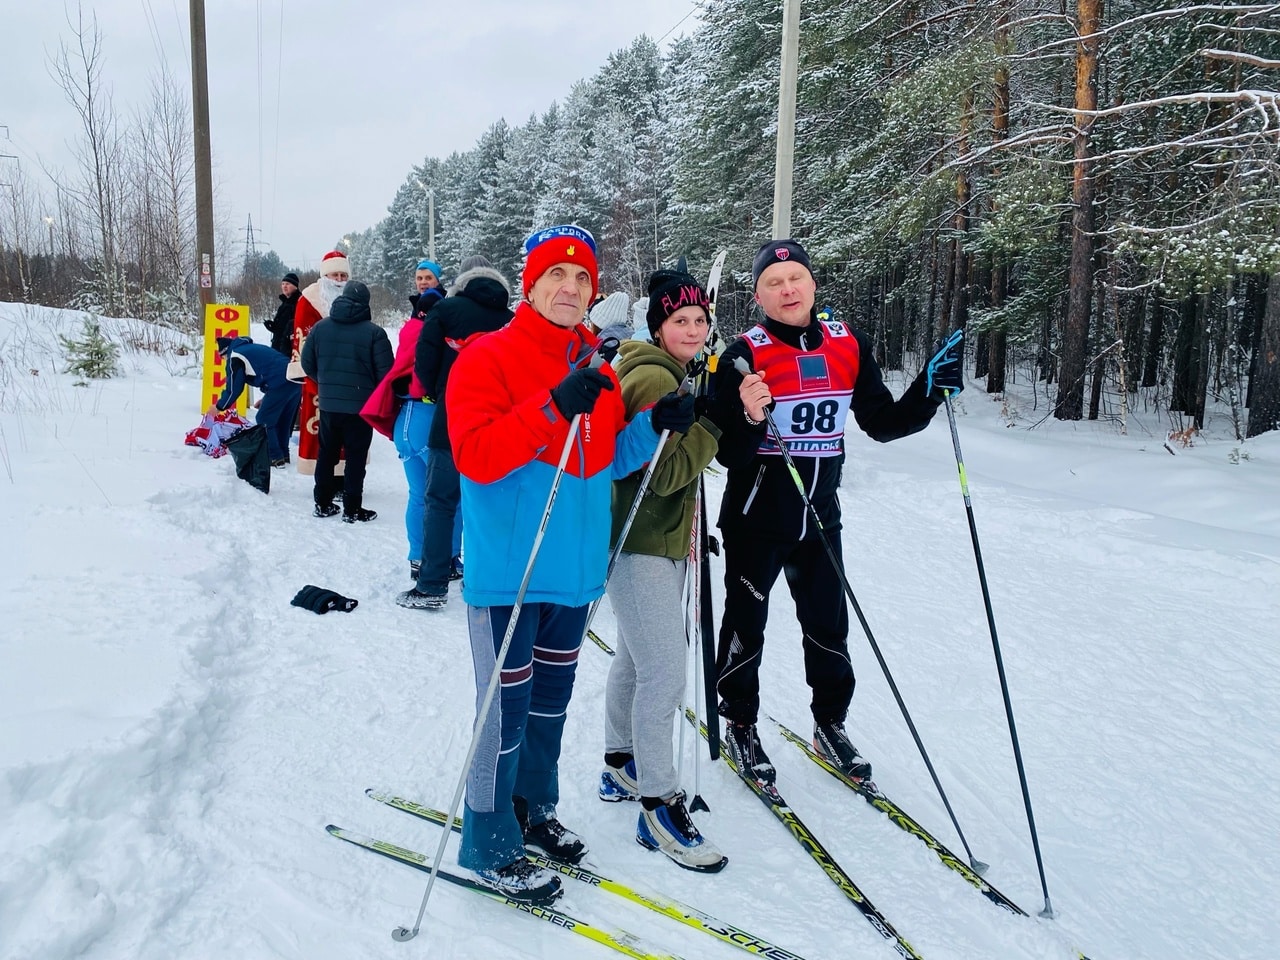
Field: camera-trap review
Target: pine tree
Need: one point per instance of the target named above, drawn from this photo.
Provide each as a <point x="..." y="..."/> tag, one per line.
<point x="92" y="356"/>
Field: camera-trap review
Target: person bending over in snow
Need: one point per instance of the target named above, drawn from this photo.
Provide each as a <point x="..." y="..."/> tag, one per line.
<point x="257" y="365"/>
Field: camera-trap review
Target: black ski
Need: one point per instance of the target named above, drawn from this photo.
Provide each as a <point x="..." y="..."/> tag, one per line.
<point x="621" y="941"/>
<point x="771" y="798"/>
<point x="689" y="916"/>
<point x="871" y="793"/>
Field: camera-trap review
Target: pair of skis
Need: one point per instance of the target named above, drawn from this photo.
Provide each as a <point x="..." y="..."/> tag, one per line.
<point x="621" y="941"/>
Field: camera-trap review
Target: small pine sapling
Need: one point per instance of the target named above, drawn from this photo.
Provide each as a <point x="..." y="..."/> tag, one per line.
<point x="92" y="356"/>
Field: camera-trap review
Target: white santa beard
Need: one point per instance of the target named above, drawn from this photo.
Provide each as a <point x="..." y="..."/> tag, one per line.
<point x="329" y="291"/>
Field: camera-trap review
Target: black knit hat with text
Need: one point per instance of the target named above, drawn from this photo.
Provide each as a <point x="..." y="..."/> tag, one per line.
<point x="778" y="251"/>
<point x="669" y="290"/>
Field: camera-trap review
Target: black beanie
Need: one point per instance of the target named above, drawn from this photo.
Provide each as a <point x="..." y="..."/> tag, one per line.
<point x="669" y="290"/>
<point x="290" y="278"/>
<point x="778" y="251"/>
<point x="224" y="343"/>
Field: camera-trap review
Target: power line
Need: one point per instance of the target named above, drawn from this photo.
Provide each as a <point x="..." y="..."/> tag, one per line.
<point x="153" y="28"/>
<point x="182" y="34"/>
<point x="275" y="151"/>
<point x="692" y="11"/>
<point x="261" y="186"/>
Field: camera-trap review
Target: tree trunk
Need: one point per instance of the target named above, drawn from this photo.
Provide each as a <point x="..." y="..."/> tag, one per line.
<point x="1185" y="371"/>
<point x="959" y="318"/>
<point x="894" y="319"/>
<point x="934" y="268"/>
<point x="1133" y="339"/>
<point x="1256" y="308"/>
<point x="1099" y="363"/>
<point x="1264" y="384"/>
<point x="1155" y="345"/>
<point x="948" y="289"/>
<point x="996" y="349"/>
<point x="1075" y="338"/>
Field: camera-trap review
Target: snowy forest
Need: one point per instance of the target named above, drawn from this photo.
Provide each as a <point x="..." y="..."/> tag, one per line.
<point x="1089" y="187"/>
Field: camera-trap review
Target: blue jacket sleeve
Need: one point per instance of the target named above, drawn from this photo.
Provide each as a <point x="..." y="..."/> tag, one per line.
<point x="235" y="383"/>
<point x="635" y="445"/>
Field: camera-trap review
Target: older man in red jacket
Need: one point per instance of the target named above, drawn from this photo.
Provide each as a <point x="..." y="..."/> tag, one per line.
<point x="512" y="397"/>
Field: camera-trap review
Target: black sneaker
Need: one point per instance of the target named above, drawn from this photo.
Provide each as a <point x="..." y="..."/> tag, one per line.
<point x="551" y="838"/>
<point x="281" y="462"/>
<point x="326" y="509"/>
<point x="417" y="600"/>
<point x="744" y="747"/>
<point x="455" y="568"/>
<point x="360" y="516"/>
<point x="524" y="881"/>
<point x="415" y="567"/>
<point x="834" y="746"/>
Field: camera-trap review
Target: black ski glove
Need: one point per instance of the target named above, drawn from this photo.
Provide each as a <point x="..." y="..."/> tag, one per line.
<point x="944" y="373"/>
<point x="319" y="600"/>
<point x="675" y="412"/>
<point x="577" y="393"/>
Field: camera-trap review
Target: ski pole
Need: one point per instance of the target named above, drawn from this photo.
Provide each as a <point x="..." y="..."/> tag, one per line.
<point x="707" y="624"/>
<point x="401" y="933"/>
<point x="684" y="388"/>
<point x="694" y="580"/>
<point x="995" y="645"/>
<point x="978" y="866"/>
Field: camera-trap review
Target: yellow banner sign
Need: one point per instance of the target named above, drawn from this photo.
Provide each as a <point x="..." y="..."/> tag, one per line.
<point x="221" y="320"/>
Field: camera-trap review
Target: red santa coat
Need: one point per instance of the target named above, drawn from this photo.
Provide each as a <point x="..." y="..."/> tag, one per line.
<point x="310" y="312"/>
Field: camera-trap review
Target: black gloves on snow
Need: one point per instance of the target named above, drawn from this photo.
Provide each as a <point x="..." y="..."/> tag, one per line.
<point x="319" y="600"/>
<point x="577" y="393"/>
<point x="944" y="373"/>
<point x="675" y="412"/>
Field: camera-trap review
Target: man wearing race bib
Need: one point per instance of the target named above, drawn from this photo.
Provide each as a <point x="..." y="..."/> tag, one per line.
<point x="816" y="372"/>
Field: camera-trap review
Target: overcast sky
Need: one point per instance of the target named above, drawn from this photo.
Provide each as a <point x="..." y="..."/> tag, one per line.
<point x="365" y="89"/>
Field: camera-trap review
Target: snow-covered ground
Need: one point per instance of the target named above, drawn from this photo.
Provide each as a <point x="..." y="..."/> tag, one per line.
<point x="174" y="736"/>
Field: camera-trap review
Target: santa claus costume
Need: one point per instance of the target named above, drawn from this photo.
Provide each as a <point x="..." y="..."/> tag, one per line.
<point x="313" y="307"/>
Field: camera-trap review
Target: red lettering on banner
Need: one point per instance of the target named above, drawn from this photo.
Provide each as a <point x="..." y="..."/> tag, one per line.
<point x="227" y="314"/>
<point x="219" y="379"/>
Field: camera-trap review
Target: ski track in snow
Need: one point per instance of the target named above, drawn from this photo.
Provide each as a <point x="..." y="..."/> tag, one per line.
<point x="176" y="735"/>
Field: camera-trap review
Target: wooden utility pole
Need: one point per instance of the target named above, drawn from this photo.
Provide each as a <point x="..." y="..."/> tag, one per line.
<point x="203" y="163"/>
<point x="785" y="162"/>
<point x="431" y="223"/>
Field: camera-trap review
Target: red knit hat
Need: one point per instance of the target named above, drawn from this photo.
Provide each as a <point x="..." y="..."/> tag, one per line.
<point x="335" y="261"/>
<point x="563" y="244"/>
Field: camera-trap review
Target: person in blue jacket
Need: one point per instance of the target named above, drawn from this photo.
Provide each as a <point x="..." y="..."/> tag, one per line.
<point x="258" y="365"/>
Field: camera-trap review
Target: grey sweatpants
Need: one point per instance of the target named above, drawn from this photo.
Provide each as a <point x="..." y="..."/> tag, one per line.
<point x="646" y="679"/>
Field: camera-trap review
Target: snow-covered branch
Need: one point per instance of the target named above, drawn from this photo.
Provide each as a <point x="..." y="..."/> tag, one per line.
<point x="1235" y="56"/>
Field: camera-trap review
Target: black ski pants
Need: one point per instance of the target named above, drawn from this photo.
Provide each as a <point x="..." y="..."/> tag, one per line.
<point x="751" y="567"/>
<point x="338" y="432"/>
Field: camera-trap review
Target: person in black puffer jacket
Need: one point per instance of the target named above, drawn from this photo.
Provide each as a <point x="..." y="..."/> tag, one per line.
<point x="476" y="304"/>
<point x="282" y="326"/>
<point x="347" y="355"/>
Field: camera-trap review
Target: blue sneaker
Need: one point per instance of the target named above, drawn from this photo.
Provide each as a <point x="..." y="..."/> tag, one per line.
<point x="669" y="828"/>
<point x="619" y="783"/>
